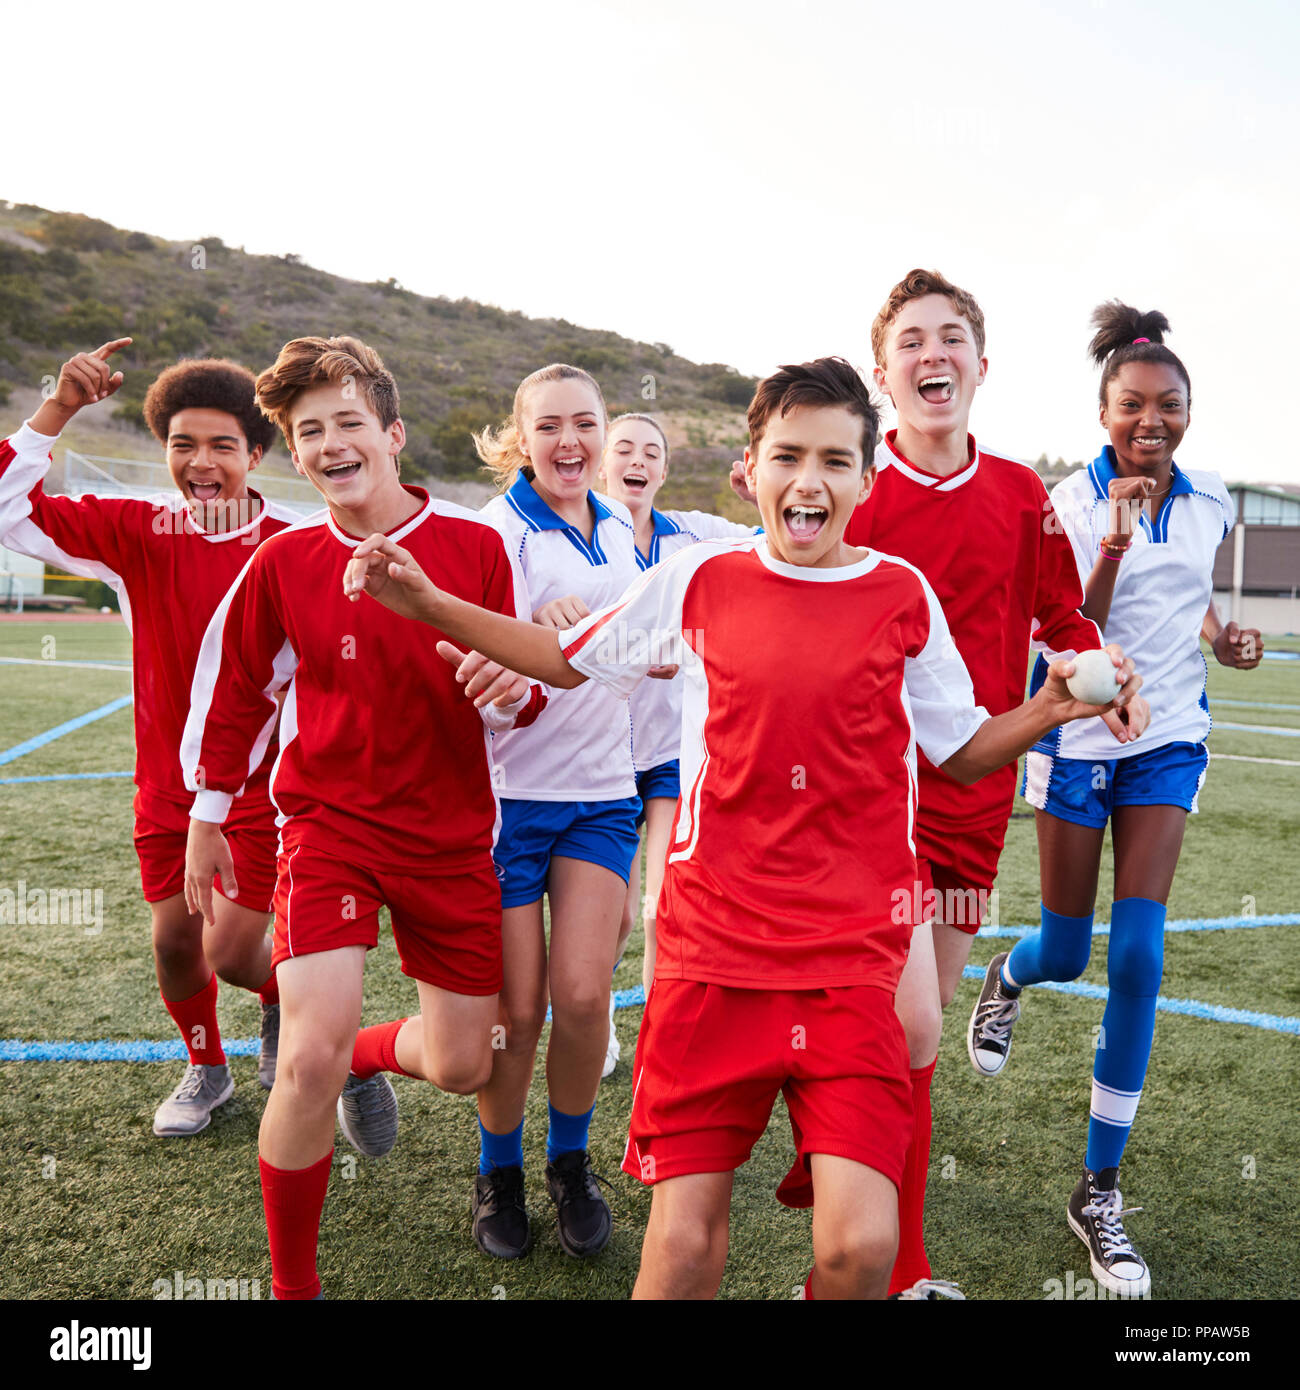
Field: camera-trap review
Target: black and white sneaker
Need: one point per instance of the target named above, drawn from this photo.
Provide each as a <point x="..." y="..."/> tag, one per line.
<point x="988" y="1039"/>
<point x="581" y="1212"/>
<point x="500" y="1218"/>
<point x="1094" y="1211"/>
<point x="930" y="1291"/>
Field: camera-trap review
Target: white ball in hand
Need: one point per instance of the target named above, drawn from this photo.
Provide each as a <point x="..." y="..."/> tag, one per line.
<point x="1093" y="681"/>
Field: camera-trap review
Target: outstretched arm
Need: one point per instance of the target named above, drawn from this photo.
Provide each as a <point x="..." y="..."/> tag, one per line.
<point x="381" y="568"/>
<point x="1005" y="737"/>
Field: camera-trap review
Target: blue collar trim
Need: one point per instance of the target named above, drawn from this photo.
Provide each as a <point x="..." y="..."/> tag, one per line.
<point x="523" y="499"/>
<point x="1102" y="470"/>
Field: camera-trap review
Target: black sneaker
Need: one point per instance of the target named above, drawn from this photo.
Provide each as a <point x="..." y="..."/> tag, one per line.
<point x="582" y="1213"/>
<point x="1094" y="1211"/>
<point x="988" y="1038"/>
<point x="500" y="1217"/>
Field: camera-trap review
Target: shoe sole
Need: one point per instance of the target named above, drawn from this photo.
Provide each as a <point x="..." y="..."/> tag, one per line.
<point x="207" y="1119"/>
<point x="1126" y="1288"/>
<point x="503" y="1253"/>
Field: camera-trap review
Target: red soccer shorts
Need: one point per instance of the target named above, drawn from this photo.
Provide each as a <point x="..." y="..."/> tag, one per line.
<point x="956" y="871"/>
<point x="447" y="926"/>
<point x="162" y="826"/>
<point x="710" y="1061"/>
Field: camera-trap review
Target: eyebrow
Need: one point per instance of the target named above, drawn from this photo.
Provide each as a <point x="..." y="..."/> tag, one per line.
<point x="803" y="449"/>
<point x="581" y="414"/>
<point x="216" y="438"/>
<point x="943" y="328"/>
<point x="337" y="415"/>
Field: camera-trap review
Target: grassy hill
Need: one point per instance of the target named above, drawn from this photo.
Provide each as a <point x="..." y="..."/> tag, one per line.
<point x="69" y="282"/>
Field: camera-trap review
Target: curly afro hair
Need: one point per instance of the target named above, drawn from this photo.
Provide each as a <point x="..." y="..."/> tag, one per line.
<point x="208" y="383"/>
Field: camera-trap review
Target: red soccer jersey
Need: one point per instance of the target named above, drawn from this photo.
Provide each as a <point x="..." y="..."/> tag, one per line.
<point x="805" y="692"/>
<point x="383" y="760"/>
<point x="169" y="577"/>
<point x="990" y="544"/>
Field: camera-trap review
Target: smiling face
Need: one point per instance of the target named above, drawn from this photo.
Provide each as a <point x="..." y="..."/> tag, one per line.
<point x="563" y="433"/>
<point x="209" y="460"/>
<point x="932" y="367"/>
<point x="1146" y="414"/>
<point x="341" y="448"/>
<point x="808" y="478"/>
<point x="634" y="466"/>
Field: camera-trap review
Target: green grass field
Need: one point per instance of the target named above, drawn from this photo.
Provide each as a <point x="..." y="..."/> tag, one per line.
<point x="92" y="1205"/>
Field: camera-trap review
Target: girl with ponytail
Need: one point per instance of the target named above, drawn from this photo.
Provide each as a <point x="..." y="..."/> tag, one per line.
<point x="1144" y="533"/>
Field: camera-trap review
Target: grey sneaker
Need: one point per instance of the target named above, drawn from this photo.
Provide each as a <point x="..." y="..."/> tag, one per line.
<point x="189" y="1107"/>
<point x="270" y="1048"/>
<point x="368" y="1114"/>
<point x="930" y="1290"/>
<point x="988" y="1037"/>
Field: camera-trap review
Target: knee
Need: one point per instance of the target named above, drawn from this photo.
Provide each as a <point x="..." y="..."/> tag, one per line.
<point x="523" y="1020"/>
<point x="1135" y="961"/>
<point x="697" y="1250"/>
<point x="314" y="1075"/>
<point x="1064" y="957"/>
<point x="858" y="1255"/>
<point x="459" y="1075"/>
<point x="177" y="946"/>
<point x="581" y="1007"/>
<point x="229" y="958"/>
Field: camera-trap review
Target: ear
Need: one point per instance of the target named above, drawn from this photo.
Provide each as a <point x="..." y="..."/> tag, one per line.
<point x="751" y="468"/>
<point x="297" y="462"/>
<point x="882" y="384"/>
<point x="254" y="458"/>
<point x="397" y="436"/>
<point x="1101" y="415"/>
<point x="984" y="371"/>
<point x="868" y="482"/>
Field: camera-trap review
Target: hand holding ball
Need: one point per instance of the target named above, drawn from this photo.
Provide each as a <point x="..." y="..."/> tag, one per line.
<point x="1094" y="680"/>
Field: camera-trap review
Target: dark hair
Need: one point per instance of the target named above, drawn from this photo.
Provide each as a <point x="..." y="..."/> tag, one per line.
<point x="208" y="383"/>
<point x="1115" y="343"/>
<point x="916" y="284"/>
<point x="825" y="382"/>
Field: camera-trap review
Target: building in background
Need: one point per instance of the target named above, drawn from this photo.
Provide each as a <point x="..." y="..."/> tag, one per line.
<point x="1257" y="569"/>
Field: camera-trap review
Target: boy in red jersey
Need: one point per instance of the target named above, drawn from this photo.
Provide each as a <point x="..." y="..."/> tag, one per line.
<point x="778" y="953"/>
<point x="170" y="564"/>
<point x="981" y="529"/>
<point x="383" y="784"/>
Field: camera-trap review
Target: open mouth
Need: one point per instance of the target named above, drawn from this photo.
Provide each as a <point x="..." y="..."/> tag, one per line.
<point x="570" y="469"/>
<point x="1150" y="441"/>
<point x="936" y="389"/>
<point x="805" y="523"/>
<point x="635" y="483"/>
<point x="204" y="492"/>
<point x="338" y="472"/>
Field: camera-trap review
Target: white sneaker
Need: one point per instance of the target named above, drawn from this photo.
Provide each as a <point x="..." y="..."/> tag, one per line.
<point x="189" y="1107"/>
<point x="613" y="1049"/>
<point x="931" y="1290"/>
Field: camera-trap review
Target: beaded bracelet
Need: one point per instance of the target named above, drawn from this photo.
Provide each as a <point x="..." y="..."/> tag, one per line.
<point x="1113" y="554"/>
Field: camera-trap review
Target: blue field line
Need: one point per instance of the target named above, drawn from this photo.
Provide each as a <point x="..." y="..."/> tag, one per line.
<point x="1268" y="919"/>
<point x="1281" y="656"/>
<point x="62" y="777"/>
<point x="1254" y="704"/>
<point x="40" y="740"/>
<point x="1193" y="1008"/>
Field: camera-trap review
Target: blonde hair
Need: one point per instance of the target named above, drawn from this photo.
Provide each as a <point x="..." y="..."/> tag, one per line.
<point x="501" y="449"/>
<point x="307" y="362"/>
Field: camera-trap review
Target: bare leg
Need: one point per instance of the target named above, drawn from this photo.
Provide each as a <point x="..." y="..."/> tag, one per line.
<point x="855" y="1229"/>
<point x="522" y="1012"/>
<point x="684" y="1251"/>
<point x="178" y="956"/>
<point x="237" y="944"/>
<point x="449" y="1042"/>
<point x="659" y="811"/>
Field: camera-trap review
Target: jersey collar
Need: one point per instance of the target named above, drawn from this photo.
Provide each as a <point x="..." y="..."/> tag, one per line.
<point x="888" y="453"/>
<point x="216" y="537"/>
<point x="397" y="532"/>
<point x="1102" y="471"/>
<point x="814" y="573"/>
<point x="537" y="516"/>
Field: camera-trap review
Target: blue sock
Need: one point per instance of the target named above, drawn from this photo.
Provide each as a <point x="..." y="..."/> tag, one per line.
<point x="500" y="1150"/>
<point x="1134" y="967"/>
<point x="567" y="1132"/>
<point x="1058" y="951"/>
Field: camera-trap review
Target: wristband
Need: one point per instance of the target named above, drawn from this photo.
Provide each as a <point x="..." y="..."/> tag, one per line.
<point x="1117" y="556"/>
<point x="1113" y="552"/>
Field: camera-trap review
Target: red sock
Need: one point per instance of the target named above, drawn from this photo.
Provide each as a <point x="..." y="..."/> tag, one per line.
<point x="196" y="1017"/>
<point x="911" y="1263"/>
<point x="270" y="992"/>
<point x="375" y="1050"/>
<point x="293" y="1200"/>
<point x="807" y="1288"/>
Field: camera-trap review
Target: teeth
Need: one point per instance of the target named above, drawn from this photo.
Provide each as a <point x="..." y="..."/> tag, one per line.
<point x="937" y="381"/>
<point x="808" y="511"/>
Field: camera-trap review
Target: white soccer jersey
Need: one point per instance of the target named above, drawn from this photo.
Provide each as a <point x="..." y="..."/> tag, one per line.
<point x="656" y="706"/>
<point x="1162" y="591"/>
<point x="805" y="694"/>
<point x="580" y="748"/>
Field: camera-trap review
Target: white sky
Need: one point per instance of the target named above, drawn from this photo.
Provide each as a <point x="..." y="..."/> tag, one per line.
<point x="744" y="181"/>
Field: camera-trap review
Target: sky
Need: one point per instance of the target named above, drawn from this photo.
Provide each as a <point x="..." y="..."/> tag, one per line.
<point x="743" y="181"/>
